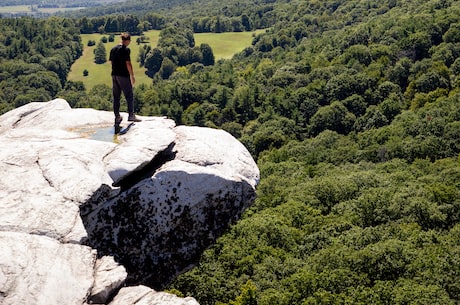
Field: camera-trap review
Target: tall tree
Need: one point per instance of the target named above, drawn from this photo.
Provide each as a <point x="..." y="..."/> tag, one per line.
<point x="100" y="54"/>
<point x="208" y="55"/>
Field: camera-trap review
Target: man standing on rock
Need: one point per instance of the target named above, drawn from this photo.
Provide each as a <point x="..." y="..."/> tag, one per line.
<point x="122" y="78"/>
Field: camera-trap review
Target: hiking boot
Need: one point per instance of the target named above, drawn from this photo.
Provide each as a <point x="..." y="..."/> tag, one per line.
<point x="132" y="118"/>
<point x="118" y="119"/>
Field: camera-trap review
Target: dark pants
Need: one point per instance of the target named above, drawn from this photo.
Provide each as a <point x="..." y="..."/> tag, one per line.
<point x="122" y="84"/>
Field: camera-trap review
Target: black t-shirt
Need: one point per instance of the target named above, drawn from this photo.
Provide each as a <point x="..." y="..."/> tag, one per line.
<point x="119" y="55"/>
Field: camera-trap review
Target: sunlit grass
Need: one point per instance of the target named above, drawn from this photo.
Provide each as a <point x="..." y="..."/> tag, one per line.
<point x="16" y="9"/>
<point x="224" y="46"/>
<point x="100" y="73"/>
<point x="27" y="9"/>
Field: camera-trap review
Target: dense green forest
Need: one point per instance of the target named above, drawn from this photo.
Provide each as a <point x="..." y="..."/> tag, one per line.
<point x="35" y="58"/>
<point x="205" y="15"/>
<point x="351" y="109"/>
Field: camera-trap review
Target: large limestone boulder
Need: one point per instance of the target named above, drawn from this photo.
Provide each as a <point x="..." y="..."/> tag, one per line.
<point x="84" y="212"/>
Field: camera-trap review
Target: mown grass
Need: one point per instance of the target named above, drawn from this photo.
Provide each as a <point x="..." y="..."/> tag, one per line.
<point x="27" y="9"/>
<point x="100" y="73"/>
<point x="15" y="9"/>
<point x="224" y="46"/>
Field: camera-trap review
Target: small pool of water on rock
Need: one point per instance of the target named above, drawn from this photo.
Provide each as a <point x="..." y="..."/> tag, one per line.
<point x="99" y="133"/>
<point x="105" y="134"/>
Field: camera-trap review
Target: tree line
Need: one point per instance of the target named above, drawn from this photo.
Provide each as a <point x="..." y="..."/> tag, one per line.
<point x="209" y="16"/>
<point x="176" y="48"/>
<point x="154" y="21"/>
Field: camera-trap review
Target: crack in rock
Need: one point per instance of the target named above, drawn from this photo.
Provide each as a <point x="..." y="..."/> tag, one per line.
<point x="23" y="115"/>
<point x="139" y="174"/>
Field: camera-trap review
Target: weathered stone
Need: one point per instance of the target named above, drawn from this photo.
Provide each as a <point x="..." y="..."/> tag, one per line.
<point x="109" y="276"/>
<point x="40" y="270"/>
<point x="142" y="295"/>
<point x="84" y="212"/>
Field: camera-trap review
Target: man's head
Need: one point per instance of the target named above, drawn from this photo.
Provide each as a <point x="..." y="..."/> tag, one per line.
<point x="125" y="38"/>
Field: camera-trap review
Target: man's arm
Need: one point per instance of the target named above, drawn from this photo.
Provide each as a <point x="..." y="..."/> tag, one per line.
<point x="131" y="72"/>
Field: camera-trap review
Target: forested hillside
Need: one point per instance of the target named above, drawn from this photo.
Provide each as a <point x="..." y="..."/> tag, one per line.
<point x="205" y="14"/>
<point x="35" y="58"/>
<point x="352" y="111"/>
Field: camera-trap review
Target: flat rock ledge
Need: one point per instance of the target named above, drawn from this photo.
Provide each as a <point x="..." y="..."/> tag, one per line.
<point x="91" y="217"/>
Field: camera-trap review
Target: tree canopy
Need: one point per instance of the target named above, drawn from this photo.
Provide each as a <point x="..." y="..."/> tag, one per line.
<point x="36" y="55"/>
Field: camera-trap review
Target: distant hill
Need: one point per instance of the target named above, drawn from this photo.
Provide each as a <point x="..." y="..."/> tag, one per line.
<point x="182" y="8"/>
<point x="136" y="7"/>
<point x="60" y="3"/>
<point x="37" y="8"/>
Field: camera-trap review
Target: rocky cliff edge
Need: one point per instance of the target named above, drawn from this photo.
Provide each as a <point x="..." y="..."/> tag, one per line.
<point x="89" y="217"/>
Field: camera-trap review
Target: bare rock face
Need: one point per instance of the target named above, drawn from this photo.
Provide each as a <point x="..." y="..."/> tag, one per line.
<point x="84" y="212"/>
<point x="38" y="269"/>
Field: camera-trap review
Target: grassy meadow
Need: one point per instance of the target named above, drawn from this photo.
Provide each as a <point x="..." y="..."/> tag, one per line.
<point x="15" y="9"/>
<point x="32" y="9"/>
<point x="224" y="46"/>
<point x="100" y="73"/>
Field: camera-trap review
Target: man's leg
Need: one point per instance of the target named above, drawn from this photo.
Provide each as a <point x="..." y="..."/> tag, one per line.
<point x="127" y="88"/>
<point x="116" y="91"/>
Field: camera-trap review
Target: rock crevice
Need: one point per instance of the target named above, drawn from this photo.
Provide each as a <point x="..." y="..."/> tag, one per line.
<point x="146" y="170"/>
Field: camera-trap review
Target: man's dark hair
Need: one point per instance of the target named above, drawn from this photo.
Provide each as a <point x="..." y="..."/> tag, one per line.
<point x="125" y="36"/>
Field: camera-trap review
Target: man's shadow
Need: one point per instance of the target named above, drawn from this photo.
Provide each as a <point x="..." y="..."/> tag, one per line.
<point x="118" y="129"/>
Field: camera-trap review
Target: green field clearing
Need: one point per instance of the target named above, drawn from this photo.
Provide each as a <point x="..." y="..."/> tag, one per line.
<point x="224" y="46"/>
<point x="100" y="73"/>
<point x="59" y="9"/>
<point x="16" y="9"/>
<point x="27" y="9"/>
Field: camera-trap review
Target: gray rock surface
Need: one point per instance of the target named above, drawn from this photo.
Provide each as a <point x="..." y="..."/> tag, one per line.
<point x="40" y="270"/>
<point x="87" y="216"/>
